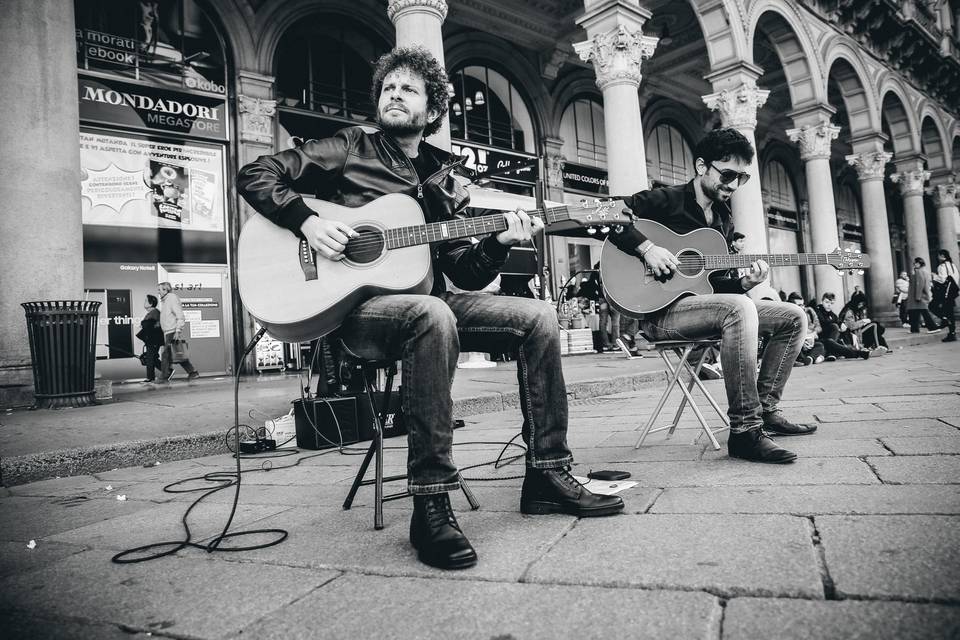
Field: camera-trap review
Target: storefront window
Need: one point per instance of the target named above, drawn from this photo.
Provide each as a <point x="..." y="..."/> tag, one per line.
<point x="669" y="158"/>
<point x="168" y="43"/>
<point x="782" y="221"/>
<point x="487" y="109"/>
<point x="581" y="128"/>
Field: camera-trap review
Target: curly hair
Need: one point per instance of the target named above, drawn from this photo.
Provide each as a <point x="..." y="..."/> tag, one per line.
<point x="421" y="62"/>
<point x="722" y="144"/>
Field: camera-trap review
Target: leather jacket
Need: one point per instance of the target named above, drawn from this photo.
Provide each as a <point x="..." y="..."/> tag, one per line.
<point x="354" y="167"/>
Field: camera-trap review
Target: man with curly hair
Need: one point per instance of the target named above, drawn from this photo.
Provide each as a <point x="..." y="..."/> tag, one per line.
<point x="721" y="160"/>
<point x="427" y="332"/>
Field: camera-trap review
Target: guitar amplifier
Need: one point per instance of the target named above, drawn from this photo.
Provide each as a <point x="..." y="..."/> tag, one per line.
<point x="325" y="422"/>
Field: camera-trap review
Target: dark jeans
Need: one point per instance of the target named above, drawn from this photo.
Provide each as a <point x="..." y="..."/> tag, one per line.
<point x="928" y="321"/>
<point x="816" y="351"/>
<point x="872" y="336"/>
<point x="830" y="336"/>
<point x="738" y="321"/>
<point x="949" y="310"/>
<point x="165" y="364"/>
<point x="153" y="359"/>
<point x="902" y="308"/>
<point x="427" y="333"/>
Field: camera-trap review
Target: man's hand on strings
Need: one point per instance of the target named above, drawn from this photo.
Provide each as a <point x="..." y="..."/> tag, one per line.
<point x="327" y="237"/>
<point x="520" y="228"/>
<point x="661" y="261"/>
<point x="758" y="273"/>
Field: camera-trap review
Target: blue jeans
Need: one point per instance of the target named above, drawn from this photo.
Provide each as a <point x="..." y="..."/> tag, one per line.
<point x="427" y="333"/>
<point x="738" y="322"/>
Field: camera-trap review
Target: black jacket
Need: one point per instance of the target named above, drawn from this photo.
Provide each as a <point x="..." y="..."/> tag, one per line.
<point x="353" y="168"/>
<point x="676" y="207"/>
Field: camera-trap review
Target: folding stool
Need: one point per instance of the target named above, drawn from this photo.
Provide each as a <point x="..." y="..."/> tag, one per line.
<point x="682" y="350"/>
<point x="371" y="370"/>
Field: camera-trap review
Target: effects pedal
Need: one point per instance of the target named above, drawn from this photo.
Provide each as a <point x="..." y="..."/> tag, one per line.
<point x="258" y="446"/>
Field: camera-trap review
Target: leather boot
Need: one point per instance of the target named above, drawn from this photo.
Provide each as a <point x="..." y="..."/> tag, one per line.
<point x="776" y="424"/>
<point x="556" y="491"/>
<point x="436" y="535"/>
<point x="756" y="446"/>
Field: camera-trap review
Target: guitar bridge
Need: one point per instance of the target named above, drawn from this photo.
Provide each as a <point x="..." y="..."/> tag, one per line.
<point x="308" y="261"/>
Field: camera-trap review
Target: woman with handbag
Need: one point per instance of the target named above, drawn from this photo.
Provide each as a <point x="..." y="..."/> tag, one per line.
<point x="172" y="322"/>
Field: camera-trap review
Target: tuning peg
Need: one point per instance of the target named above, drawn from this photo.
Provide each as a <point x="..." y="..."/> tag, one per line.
<point x="604" y="229"/>
<point x="860" y="272"/>
<point x="850" y="272"/>
<point x="591" y="230"/>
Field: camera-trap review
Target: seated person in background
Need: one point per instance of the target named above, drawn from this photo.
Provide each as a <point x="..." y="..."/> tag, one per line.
<point x="812" y="351"/>
<point x="867" y="334"/>
<point x="721" y="160"/>
<point x="831" y="330"/>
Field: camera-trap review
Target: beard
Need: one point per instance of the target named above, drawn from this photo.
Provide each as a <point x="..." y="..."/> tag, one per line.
<point x="717" y="192"/>
<point x="411" y="123"/>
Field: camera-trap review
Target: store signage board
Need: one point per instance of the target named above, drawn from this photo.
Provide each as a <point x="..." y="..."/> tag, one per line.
<point x="131" y="182"/>
<point x="488" y="162"/>
<point x="108" y="101"/>
<point x="580" y="177"/>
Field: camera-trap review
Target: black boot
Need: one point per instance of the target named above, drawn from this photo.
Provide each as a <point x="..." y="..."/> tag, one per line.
<point x="556" y="491"/>
<point x="951" y="337"/>
<point x="756" y="446"/>
<point x="436" y="535"/>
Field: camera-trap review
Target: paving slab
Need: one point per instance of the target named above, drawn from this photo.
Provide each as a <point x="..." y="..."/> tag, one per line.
<point x="879" y="415"/>
<point x="733" y="472"/>
<point x="818" y="445"/>
<point x="20" y="625"/>
<point x="483" y="611"/>
<point x="161" y="523"/>
<point x="324" y="538"/>
<point x="811" y="500"/>
<point x="23" y="519"/>
<point x="917" y="469"/>
<point x="918" y="397"/>
<point x="723" y="554"/>
<point x="188" y="596"/>
<point x="866" y="429"/>
<point x="17" y="557"/>
<point x="901" y="557"/>
<point x="763" y="618"/>
<point x="923" y="446"/>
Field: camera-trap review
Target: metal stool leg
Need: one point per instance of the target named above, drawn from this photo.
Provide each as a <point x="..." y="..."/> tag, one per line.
<point x="471" y="499"/>
<point x="357" y="481"/>
<point x="673" y="375"/>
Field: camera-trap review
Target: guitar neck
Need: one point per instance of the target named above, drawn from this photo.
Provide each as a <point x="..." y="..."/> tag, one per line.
<point x="737" y="260"/>
<point x="463" y="228"/>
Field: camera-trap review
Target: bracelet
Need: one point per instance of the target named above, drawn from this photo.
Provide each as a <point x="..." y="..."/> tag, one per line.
<point x="644" y="247"/>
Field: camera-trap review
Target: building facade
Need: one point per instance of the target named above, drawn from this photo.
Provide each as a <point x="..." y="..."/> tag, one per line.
<point x="853" y="106"/>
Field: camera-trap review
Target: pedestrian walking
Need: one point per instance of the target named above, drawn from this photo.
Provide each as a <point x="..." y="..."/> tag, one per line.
<point x="918" y="298"/>
<point x="152" y="337"/>
<point x="945" y="290"/>
<point x="172" y="322"/>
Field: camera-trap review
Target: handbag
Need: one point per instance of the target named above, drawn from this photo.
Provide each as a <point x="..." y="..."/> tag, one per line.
<point x="896" y="299"/>
<point x="179" y="351"/>
<point x="148" y="358"/>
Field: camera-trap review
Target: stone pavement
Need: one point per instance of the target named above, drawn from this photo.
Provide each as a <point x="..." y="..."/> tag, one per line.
<point x="857" y="539"/>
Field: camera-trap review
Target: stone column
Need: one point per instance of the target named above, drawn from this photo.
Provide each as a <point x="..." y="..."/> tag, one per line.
<point x="41" y="233"/>
<point x="555" y="260"/>
<point x="814" y="139"/>
<point x="418" y="22"/>
<point x="870" y="165"/>
<point x="910" y="176"/>
<point x="737" y="100"/>
<point x="945" y="199"/>
<point x="616" y="47"/>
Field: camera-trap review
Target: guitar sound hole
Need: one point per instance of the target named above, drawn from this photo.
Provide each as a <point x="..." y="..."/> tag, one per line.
<point x="691" y="262"/>
<point x="366" y="247"/>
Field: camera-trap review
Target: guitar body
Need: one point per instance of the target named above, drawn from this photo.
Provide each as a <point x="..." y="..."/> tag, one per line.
<point x="275" y="271"/>
<point x="631" y="290"/>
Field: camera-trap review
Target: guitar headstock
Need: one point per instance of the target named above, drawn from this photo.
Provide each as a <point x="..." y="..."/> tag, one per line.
<point x="849" y="260"/>
<point x="598" y="214"/>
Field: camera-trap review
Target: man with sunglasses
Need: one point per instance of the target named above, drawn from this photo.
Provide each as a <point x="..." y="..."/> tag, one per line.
<point x="721" y="162"/>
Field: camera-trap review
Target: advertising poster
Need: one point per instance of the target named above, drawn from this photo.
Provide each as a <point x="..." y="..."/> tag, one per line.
<point x="130" y="182"/>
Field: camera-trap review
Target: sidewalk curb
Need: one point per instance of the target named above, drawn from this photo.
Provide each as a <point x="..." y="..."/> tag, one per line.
<point x="18" y="470"/>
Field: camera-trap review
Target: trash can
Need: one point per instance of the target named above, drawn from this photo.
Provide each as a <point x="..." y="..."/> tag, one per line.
<point x="63" y="335"/>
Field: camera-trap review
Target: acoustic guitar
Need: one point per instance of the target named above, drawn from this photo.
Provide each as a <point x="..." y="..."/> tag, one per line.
<point x="298" y="297"/>
<point x="632" y="288"/>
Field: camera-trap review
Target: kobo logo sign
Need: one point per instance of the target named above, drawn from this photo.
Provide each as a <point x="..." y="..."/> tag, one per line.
<point x="202" y="84"/>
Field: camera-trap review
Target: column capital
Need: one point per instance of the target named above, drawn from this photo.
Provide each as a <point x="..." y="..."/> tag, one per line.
<point x="256" y="119"/>
<point x="434" y="7"/>
<point x="910" y="177"/>
<point x="617" y="54"/>
<point x="738" y="107"/>
<point x="945" y="195"/>
<point x="815" y="139"/>
<point x="870" y="165"/>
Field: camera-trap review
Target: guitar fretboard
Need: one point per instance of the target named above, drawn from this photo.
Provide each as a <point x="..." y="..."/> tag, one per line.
<point x="462" y="228"/>
<point x="736" y="260"/>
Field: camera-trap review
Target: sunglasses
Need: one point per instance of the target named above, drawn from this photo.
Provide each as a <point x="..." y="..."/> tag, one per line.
<point x="729" y="175"/>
